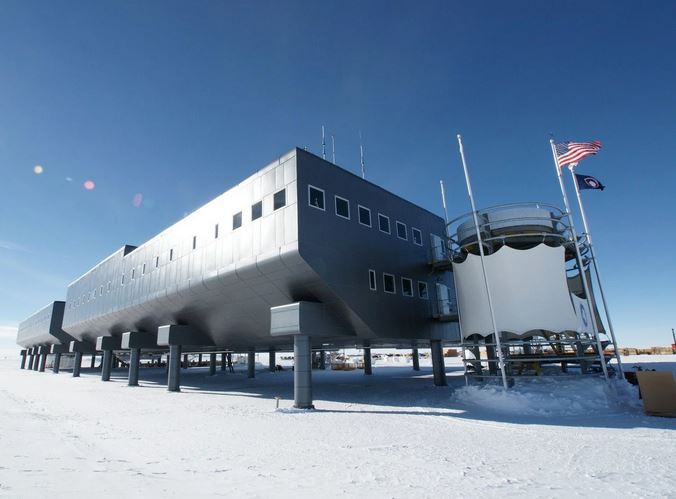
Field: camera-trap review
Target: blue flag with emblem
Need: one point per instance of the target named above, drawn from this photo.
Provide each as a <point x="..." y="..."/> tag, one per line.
<point x="588" y="182"/>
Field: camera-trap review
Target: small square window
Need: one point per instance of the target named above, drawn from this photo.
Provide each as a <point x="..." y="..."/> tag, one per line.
<point x="342" y="207"/>
<point x="279" y="200"/>
<point x="256" y="210"/>
<point x="406" y="286"/>
<point x="372" y="280"/>
<point x="216" y="231"/>
<point x="364" y="215"/>
<point x="384" y="223"/>
<point x="422" y="290"/>
<point x="417" y="236"/>
<point x="237" y="220"/>
<point x="389" y="285"/>
<point x="401" y="231"/>
<point x="194" y="242"/>
<point x="316" y="197"/>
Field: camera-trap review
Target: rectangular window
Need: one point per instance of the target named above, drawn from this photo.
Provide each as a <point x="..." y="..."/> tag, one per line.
<point x="401" y="231"/>
<point x="237" y="220"/>
<point x="157" y="261"/>
<point x="406" y="286"/>
<point x="316" y="197"/>
<point x="417" y="236"/>
<point x="388" y="284"/>
<point x="256" y="210"/>
<point x="171" y="255"/>
<point x="342" y="207"/>
<point x="143" y="271"/>
<point x="122" y="280"/>
<point x="364" y="215"/>
<point x="279" y="200"/>
<point x="108" y="290"/>
<point x="133" y="273"/>
<point x="194" y="242"/>
<point x="101" y="290"/>
<point x="216" y="231"/>
<point x="372" y="280"/>
<point x="422" y="290"/>
<point x="384" y="223"/>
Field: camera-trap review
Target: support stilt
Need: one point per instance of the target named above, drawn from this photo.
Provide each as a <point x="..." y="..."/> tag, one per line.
<point x="251" y="364"/>
<point x="174" y="363"/>
<point x="212" y="364"/>
<point x="43" y="361"/>
<point x="57" y="363"/>
<point x="223" y="362"/>
<point x="185" y="361"/>
<point x="134" y="364"/>
<point x="367" y="359"/>
<point x="416" y="359"/>
<point x="302" y="372"/>
<point x="438" y="366"/>
<point x="23" y="359"/>
<point x="106" y="365"/>
<point x="93" y="362"/>
<point x="77" y="364"/>
<point x="272" y="361"/>
<point x="322" y="360"/>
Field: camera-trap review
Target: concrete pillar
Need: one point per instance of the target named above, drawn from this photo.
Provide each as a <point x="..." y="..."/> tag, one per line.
<point x="134" y="364"/>
<point x="57" y="363"/>
<point x="251" y="364"/>
<point x="272" y="361"/>
<point x="322" y="360"/>
<point x="174" y="377"/>
<point x="185" y="361"/>
<point x="106" y="365"/>
<point x="302" y="372"/>
<point x="93" y="363"/>
<point x="223" y="363"/>
<point x="367" y="359"/>
<point x="212" y="364"/>
<point x="438" y="367"/>
<point x="230" y="368"/>
<point x="416" y="359"/>
<point x="36" y="361"/>
<point x="43" y="359"/>
<point x="23" y="359"/>
<point x="77" y="363"/>
<point x="31" y="358"/>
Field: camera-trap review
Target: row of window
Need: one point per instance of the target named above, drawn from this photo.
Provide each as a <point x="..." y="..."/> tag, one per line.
<point x="316" y="199"/>
<point x="278" y="201"/>
<point x="390" y="285"/>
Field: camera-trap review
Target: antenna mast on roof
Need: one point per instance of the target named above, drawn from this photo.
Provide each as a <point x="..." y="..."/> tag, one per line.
<point x="361" y="155"/>
<point x="323" y="143"/>
<point x="333" y="146"/>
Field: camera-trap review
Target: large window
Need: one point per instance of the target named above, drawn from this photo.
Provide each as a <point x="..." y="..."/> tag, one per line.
<point x="316" y="197"/>
<point x="384" y="223"/>
<point x="342" y="207"/>
<point x="364" y="215"/>
<point x="406" y="286"/>
<point x="422" y="290"/>
<point x="237" y="220"/>
<point x="417" y="236"/>
<point x="401" y="231"/>
<point x="388" y="283"/>
<point x="256" y="210"/>
<point x="279" y="199"/>
<point x="373" y="286"/>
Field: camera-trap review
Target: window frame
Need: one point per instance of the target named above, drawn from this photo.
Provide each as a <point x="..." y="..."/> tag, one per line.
<point x="241" y="220"/>
<point x="427" y="291"/>
<point x="309" y="197"/>
<point x="397" y="224"/>
<point x="373" y="280"/>
<point x="413" y="231"/>
<point x="274" y="200"/>
<point x="368" y="210"/>
<point x="410" y="281"/>
<point x="257" y="204"/>
<point x="389" y="226"/>
<point x="394" y="284"/>
<point x="336" y="197"/>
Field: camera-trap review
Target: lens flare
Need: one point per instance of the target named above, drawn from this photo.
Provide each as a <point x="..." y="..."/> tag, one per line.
<point x="37" y="169"/>
<point x="138" y="199"/>
<point x="89" y="185"/>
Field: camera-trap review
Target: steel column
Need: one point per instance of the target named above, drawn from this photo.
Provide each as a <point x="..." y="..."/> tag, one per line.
<point x="134" y="364"/>
<point x="212" y="364"/>
<point x="57" y="363"/>
<point x="367" y="360"/>
<point x="438" y="367"/>
<point x="174" y="377"/>
<point x="77" y="363"/>
<point x="416" y="359"/>
<point x="302" y="372"/>
<point x="272" y="361"/>
<point x="106" y="365"/>
<point x="251" y="364"/>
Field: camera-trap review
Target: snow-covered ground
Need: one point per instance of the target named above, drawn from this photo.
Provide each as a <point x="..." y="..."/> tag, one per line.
<point x="389" y="435"/>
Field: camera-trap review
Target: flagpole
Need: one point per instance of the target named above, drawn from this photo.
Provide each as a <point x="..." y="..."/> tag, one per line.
<point x="483" y="265"/>
<point x="585" y="224"/>
<point x="579" y="260"/>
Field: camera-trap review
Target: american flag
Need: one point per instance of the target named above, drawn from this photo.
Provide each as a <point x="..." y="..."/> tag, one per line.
<point x="572" y="152"/>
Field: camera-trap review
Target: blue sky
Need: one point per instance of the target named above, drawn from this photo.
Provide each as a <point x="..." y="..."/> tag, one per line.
<point x="177" y="101"/>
